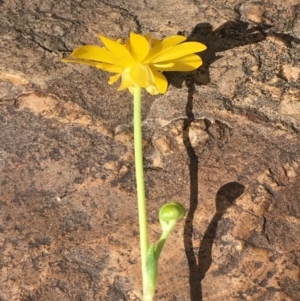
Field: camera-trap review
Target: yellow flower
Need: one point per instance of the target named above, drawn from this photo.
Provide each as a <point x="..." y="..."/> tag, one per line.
<point x="141" y="60"/>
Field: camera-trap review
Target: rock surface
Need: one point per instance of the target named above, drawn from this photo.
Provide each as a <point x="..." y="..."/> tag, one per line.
<point x="224" y="140"/>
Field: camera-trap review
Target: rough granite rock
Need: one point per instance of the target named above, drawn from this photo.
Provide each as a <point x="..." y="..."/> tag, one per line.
<point x="224" y="140"/>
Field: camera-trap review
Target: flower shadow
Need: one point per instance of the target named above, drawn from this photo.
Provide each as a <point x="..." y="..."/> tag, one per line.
<point x="228" y="36"/>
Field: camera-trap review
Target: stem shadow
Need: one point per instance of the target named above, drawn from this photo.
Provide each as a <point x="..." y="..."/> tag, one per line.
<point x="230" y="35"/>
<point x="226" y="196"/>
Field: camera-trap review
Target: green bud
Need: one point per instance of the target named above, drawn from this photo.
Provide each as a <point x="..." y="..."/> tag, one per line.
<point x="171" y="211"/>
<point x="169" y="214"/>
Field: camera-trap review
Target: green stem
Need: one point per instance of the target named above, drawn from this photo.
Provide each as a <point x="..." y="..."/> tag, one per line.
<point x="163" y="239"/>
<point x="139" y="172"/>
<point x="161" y="243"/>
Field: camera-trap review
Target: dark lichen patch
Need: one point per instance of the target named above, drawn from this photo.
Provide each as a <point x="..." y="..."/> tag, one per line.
<point x="55" y="154"/>
<point x="229" y="265"/>
<point x="259" y="240"/>
<point x="76" y="220"/>
<point x="290" y="287"/>
<point x="292" y="198"/>
<point x="119" y="289"/>
<point x="224" y="227"/>
<point x="283" y="234"/>
<point x="41" y="241"/>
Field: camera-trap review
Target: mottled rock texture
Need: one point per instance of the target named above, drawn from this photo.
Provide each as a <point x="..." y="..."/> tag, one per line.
<point x="224" y="140"/>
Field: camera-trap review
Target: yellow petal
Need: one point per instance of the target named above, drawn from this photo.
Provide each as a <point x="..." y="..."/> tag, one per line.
<point x="131" y="89"/>
<point x="152" y="90"/>
<point x="164" y="65"/>
<point x="95" y="53"/>
<point x="74" y="60"/>
<point x="154" y="42"/>
<point x="186" y="63"/>
<point x="139" y="47"/>
<point x="126" y="80"/>
<point x="142" y="75"/>
<point x="161" y="46"/>
<point x="160" y="81"/>
<point x="114" y="78"/>
<point x="118" y="50"/>
<point x="179" y="51"/>
<point x="127" y="44"/>
<point x="110" y="68"/>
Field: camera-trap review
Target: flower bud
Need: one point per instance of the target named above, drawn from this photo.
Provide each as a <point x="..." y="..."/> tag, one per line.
<point x="171" y="211"/>
<point x="169" y="214"/>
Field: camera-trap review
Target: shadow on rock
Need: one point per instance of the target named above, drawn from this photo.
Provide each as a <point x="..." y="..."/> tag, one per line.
<point x="198" y="267"/>
<point x="227" y="194"/>
<point x="230" y="35"/>
<point x="225" y="198"/>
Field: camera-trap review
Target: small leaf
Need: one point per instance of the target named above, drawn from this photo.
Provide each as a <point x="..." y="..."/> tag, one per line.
<point x="151" y="270"/>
